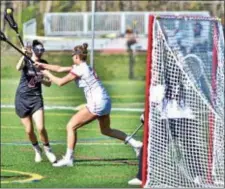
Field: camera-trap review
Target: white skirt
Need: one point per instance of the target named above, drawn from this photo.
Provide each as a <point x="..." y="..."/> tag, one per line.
<point x="100" y="107"/>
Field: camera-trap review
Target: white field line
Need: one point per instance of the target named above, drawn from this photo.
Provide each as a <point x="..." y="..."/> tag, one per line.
<point x="64" y="143"/>
<point x="63" y="129"/>
<point x="78" y="108"/>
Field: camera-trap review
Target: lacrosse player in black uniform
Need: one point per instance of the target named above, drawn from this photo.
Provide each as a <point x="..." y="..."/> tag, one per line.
<point x="29" y="101"/>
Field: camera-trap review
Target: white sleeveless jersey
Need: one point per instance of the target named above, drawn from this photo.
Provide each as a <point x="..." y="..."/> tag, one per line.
<point x="89" y="81"/>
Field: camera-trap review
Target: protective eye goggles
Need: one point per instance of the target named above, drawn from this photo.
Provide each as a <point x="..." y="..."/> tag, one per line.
<point x="39" y="49"/>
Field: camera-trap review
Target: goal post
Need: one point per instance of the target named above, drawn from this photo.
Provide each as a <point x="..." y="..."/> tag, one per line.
<point x="184" y="105"/>
<point x="147" y="95"/>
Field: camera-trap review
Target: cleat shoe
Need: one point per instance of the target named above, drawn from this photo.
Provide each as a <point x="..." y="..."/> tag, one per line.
<point x="63" y="162"/>
<point x="135" y="182"/>
<point x="38" y="157"/>
<point x="51" y="156"/>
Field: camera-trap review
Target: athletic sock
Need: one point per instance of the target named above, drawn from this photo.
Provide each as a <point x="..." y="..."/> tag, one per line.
<point x="47" y="147"/>
<point x="134" y="143"/>
<point x="36" y="147"/>
<point x="69" y="153"/>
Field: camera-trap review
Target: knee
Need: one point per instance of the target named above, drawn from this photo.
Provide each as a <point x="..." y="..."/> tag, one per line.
<point x="72" y="127"/>
<point x="29" y="131"/>
<point x="41" y="130"/>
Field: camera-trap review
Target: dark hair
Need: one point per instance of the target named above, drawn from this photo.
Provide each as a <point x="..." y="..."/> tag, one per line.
<point x="36" y="42"/>
<point x="128" y="31"/>
<point x="81" y="51"/>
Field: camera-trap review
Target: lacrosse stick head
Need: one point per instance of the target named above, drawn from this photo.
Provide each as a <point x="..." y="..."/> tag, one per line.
<point x="9" y="11"/>
<point x="8" y="14"/>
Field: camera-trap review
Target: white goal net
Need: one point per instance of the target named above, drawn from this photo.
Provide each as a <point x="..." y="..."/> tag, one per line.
<point x="184" y="144"/>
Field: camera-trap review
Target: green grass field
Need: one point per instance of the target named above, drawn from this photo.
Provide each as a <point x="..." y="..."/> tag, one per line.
<point x="101" y="162"/>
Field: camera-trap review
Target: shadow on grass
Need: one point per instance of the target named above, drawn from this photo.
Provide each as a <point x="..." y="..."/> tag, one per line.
<point x="106" y="161"/>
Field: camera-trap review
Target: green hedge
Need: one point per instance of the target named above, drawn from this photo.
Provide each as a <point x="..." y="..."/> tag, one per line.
<point x="108" y="67"/>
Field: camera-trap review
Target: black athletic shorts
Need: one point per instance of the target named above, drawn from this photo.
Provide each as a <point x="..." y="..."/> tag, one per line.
<point x="27" y="105"/>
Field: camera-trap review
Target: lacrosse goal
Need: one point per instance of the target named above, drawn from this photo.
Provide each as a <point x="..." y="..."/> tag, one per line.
<point x="184" y="110"/>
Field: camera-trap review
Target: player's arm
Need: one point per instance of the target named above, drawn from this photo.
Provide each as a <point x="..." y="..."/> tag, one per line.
<point x="20" y="64"/>
<point x="46" y="81"/>
<point x="51" y="67"/>
<point x="59" y="81"/>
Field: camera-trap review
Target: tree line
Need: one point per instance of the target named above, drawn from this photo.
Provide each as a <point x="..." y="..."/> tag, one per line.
<point x="38" y="8"/>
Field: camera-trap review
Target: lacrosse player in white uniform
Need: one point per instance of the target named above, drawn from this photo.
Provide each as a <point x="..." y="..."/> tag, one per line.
<point x="98" y="102"/>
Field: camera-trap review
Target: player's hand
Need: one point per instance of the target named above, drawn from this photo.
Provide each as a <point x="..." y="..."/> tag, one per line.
<point x="39" y="65"/>
<point x="46" y="81"/>
<point x="27" y="51"/>
<point x="45" y="73"/>
<point x="45" y="78"/>
<point x="24" y="50"/>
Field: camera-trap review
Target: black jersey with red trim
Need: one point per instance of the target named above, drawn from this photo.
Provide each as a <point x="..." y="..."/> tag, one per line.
<point x="30" y="84"/>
